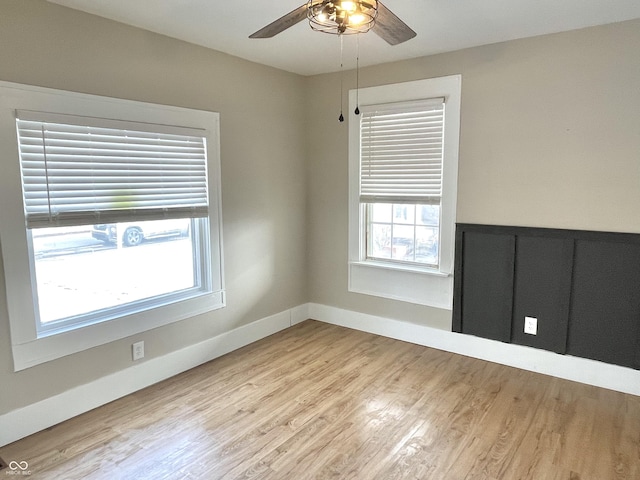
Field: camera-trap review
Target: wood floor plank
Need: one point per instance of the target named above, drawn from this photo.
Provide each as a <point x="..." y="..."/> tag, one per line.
<point x="318" y="401"/>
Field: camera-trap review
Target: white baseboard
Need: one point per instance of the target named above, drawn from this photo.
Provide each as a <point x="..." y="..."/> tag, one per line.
<point x="24" y="421"/>
<point x="300" y="314"/>
<point x="577" y="369"/>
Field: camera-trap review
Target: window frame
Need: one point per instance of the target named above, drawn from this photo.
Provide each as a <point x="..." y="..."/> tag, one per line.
<point x="396" y="280"/>
<point x="28" y="347"/>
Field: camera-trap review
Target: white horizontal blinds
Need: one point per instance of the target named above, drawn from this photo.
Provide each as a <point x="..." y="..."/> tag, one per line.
<point x="78" y="170"/>
<point x="401" y="152"/>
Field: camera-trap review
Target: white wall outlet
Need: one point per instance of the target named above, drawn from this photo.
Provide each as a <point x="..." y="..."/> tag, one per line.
<point x="137" y="350"/>
<point x="531" y="325"/>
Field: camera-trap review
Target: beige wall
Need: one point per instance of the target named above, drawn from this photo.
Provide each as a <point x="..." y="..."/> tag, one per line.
<point x="550" y="137"/>
<point x="263" y="165"/>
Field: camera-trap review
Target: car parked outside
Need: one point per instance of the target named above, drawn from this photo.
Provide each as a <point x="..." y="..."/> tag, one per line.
<point x="134" y="233"/>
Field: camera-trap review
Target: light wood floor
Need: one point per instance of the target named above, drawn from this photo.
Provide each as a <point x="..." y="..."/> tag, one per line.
<point x="320" y="401"/>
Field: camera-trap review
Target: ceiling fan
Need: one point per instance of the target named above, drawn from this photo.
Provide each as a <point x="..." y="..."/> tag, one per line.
<point x="343" y="17"/>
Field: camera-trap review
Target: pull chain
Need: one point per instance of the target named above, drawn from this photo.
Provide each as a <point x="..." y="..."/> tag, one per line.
<point x="341" y="117"/>
<point x="357" y="110"/>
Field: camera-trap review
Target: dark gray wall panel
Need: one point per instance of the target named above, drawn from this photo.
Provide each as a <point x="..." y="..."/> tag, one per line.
<point x="487" y="285"/>
<point x="542" y="290"/>
<point x="583" y="286"/>
<point x="605" y="311"/>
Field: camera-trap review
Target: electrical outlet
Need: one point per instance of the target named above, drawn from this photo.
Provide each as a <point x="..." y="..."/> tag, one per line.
<point x="531" y="325"/>
<point x="137" y="350"/>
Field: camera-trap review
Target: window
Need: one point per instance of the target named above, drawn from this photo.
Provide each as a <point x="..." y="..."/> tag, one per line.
<point x="401" y="180"/>
<point x="116" y="224"/>
<point x="402" y="190"/>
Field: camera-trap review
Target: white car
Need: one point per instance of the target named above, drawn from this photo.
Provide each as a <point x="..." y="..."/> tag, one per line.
<point x="134" y="233"/>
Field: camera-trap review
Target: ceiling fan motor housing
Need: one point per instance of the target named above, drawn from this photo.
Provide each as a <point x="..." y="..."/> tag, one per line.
<point x="342" y="16"/>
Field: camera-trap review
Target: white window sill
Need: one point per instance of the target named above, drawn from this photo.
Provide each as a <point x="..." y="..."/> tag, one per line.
<point x="405" y="283"/>
<point x="403" y="267"/>
<point x="44" y="349"/>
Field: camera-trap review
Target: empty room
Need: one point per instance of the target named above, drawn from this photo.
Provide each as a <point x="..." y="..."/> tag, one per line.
<point x="321" y="239"/>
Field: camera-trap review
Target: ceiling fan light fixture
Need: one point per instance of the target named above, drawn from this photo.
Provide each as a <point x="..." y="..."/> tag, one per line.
<point x="348" y="6"/>
<point x="357" y="18"/>
<point x="342" y="17"/>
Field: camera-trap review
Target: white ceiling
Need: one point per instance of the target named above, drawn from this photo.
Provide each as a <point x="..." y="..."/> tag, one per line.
<point x="441" y="26"/>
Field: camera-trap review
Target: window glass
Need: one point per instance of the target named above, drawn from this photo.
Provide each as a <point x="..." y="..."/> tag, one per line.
<point x="403" y="232"/>
<point x="95" y="268"/>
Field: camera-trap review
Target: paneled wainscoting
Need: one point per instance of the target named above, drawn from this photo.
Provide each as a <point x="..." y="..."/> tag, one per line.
<point x="581" y="287"/>
<point x="322" y="401"/>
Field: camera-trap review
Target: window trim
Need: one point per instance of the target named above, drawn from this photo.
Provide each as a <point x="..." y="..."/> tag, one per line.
<point x="29" y="350"/>
<point x="414" y="284"/>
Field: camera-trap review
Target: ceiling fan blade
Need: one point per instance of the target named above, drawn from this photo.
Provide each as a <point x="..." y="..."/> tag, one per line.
<point x="390" y="28"/>
<point x="281" y="24"/>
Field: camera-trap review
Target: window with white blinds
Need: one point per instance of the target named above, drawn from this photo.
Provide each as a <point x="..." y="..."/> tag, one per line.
<point x="81" y="170"/>
<point x="401" y="152"/>
<point x="403" y="173"/>
<point x="111" y="221"/>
